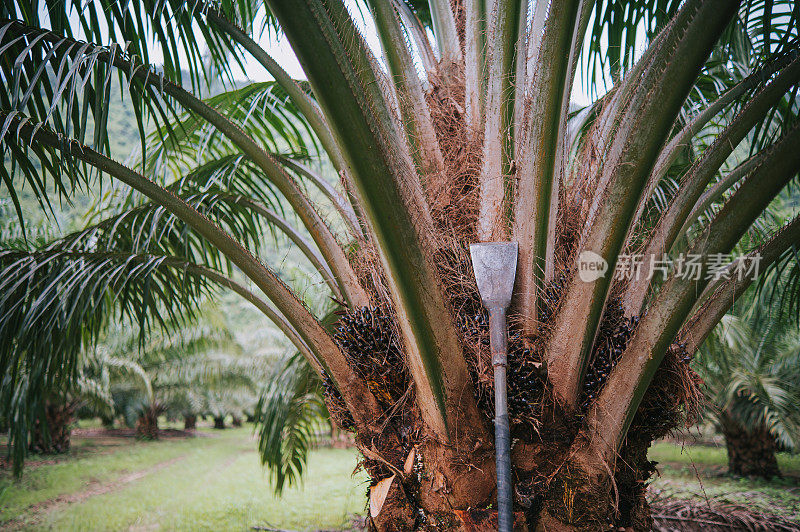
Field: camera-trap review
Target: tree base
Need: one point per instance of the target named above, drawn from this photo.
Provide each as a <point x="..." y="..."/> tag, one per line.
<point x="751" y="453"/>
<point x="55" y="437"/>
<point x="147" y="424"/>
<point x="390" y="510"/>
<point x="558" y="488"/>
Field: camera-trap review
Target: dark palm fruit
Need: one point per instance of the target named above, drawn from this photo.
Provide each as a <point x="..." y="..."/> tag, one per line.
<point x="368" y="340"/>
<point x="339" y="412"/>
<point x="613" y="336"/>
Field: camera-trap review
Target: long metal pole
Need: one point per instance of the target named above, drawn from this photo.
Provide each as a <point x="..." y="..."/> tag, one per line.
<point x="498" y="340"/>
<point x="495" y="266"/>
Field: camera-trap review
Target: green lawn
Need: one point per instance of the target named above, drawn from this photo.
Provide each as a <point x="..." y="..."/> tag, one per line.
<point x="203" y="483"/>
<point x="214" y="481"/>
<point x="699" y="472"/>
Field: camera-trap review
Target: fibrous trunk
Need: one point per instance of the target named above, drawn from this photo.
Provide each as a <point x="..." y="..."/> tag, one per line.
<point x="147" y="424"/>
<point x="219" y="422"/>
<point x="422" y="481"/>
<point x="419" y="482"/>
<point x="751" y="452"/>
<point x="55" y="437"/>
<point x="190" y="422"/>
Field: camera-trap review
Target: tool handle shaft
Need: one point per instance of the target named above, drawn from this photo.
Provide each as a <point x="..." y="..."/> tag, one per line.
<point x="498" y="338"/>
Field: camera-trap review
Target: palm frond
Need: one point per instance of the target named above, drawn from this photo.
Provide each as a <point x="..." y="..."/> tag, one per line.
<point x="289" y="413"/>
<point x="779" y="286"/>
<point x="619" y="31"/>
<point x="55" y="303"/>
<point x="60" y="71"/>
<point x="94" y="395"/>
<point x="172" y="29"/>
<point x="263" y="110"/>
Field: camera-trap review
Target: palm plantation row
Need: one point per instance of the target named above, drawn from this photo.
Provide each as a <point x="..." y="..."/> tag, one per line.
<point x="460" y="131"/>
<point x="200" y="372"/>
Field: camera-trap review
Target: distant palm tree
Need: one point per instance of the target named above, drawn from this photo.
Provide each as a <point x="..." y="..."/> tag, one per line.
<point x="751" y="366"/>
<point x="52" y="431"/>
<point x="462" y="131"/>
<point x="201" y="369"/>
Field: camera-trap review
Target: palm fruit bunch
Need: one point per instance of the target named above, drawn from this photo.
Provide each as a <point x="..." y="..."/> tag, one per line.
<point x="526" y="375"/>
<point x="336" y="407"/>
<point x="373" y="349"/>
<point x="526" y="380"/>
<point x="612" y="337"/>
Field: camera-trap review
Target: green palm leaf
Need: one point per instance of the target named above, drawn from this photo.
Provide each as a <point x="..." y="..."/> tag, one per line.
<point x="290" y="412"/>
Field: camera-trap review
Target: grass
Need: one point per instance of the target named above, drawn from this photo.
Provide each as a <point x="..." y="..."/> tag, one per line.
<point x="215" y="482"/>
<point x="699" y="472"/>
<point x="201" y="483"/>
<point x="710" y="455"/>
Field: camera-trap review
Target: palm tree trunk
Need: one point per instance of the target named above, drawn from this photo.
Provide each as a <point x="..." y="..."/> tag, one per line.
<point x="219" y="422"/>
<point x="147" y="424"/>
<point x="189" y="422"/>
<point x="237" y="421"/>
<point x="751" y="452"/>
<point x="568" y="495"/>
<point x="55" y="437"/>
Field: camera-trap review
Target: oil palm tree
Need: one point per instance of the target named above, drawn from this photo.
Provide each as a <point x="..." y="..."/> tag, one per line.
<point x="751" y="367"/>
<point x="461" y="131"/>
<point x="52" y="432"/>
<point x="200" y="369"/>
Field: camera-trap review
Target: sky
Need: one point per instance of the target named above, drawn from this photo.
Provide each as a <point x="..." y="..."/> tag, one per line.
<point x="280" y="50"/>
<point x="277" y="46"/>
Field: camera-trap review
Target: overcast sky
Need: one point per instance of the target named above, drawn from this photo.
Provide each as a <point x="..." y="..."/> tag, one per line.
<point x="278" y="47"/>
<point x="280" y="50"/>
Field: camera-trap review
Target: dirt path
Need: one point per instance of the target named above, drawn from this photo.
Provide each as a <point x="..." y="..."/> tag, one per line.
<point x="93" y="489"/>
